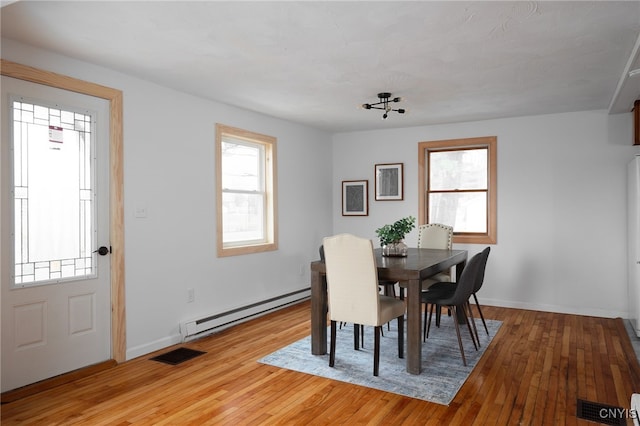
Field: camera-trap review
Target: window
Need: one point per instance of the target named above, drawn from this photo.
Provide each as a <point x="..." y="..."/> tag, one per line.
<point x="458" y="187"/>
<point x="246" y="191"/>
<point x="53" y="194"/>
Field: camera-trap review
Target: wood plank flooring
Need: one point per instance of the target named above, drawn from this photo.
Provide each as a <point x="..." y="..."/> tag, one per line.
<point x="533" y="372"/>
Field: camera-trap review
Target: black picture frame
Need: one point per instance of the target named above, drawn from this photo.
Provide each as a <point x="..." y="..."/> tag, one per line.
<point x="389" y="181"/>
<point x="355" y="198"/>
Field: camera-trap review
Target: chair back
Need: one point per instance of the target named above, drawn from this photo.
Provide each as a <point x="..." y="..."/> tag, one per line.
<point x="467" y="281"/>
<point x="435" y="236"/>
<point x="483" y="265"/>
<point x="352" y="279"/>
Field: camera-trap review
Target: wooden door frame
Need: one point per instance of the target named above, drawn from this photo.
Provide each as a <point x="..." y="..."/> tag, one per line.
<point x="116" y="192"/>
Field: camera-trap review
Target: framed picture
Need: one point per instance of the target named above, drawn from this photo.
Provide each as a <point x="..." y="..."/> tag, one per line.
<point x="355" y="198"/>
<point x="389" y="182"/>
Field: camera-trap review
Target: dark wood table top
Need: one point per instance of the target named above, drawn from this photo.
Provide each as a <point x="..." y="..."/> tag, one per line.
<point x="418" y="264"/>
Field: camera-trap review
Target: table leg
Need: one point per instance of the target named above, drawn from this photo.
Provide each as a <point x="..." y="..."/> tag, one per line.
<point x="459" y="268"/>
<point x="414" y="336"/>
<point x="318" y="314"/>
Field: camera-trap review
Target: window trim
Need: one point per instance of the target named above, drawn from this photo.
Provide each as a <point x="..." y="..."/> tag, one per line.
<point x="488" y="142"/>
<point x="269" y="144"/>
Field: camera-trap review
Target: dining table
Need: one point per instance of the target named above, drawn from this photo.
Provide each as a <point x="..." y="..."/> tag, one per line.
<point x="409" y="271"/>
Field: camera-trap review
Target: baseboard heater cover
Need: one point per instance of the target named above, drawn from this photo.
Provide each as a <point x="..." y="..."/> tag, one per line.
<point x="199" y="327"/>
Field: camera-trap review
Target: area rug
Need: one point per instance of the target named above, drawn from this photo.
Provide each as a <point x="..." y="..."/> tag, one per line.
<point x="442" y="371"/>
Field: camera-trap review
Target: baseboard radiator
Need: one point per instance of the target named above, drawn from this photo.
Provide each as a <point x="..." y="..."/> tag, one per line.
<point x="201" y="327"/>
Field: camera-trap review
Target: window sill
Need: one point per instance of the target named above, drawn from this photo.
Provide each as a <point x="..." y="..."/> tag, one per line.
<point x="475" y="239"/>
<point x="237" y="251"/>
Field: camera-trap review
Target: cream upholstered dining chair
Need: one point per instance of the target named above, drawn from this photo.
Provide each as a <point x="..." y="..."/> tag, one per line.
<point x="352" y="287"/>
<point x="358" y="329"/>
<point x="435" y="236"/>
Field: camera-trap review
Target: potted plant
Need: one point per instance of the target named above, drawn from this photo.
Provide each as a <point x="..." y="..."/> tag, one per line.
<point x="391" y="236"/>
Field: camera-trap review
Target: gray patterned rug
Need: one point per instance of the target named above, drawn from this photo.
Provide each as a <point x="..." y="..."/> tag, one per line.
<point x="442" y="371"/>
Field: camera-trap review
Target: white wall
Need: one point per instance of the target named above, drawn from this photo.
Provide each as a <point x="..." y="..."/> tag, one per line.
<point x="561" y="204"/>
<point x="169" y="170"/>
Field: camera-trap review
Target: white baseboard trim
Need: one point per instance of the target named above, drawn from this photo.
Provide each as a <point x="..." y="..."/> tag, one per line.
<point x="586" y="311"/>
<point x="156" y="345"/>
<point x="234" y="318"/>
<point x="175" y="339"/>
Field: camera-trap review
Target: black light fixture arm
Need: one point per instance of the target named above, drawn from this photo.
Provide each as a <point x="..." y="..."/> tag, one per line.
<point x="383" y="104"/>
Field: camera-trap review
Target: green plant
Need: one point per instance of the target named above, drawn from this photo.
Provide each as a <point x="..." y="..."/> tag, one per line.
<point x="395" y="232"/>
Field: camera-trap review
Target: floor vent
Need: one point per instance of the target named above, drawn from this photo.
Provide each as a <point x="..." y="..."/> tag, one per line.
<point x="602" y="413"/>
<point x="177" y="356"/>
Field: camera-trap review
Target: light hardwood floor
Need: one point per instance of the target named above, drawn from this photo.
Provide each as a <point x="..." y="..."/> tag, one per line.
<point x="533" y="372"/>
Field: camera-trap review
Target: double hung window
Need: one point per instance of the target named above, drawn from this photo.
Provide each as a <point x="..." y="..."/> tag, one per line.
<point x="458" y="187"/>
<point x="245" y="191"/>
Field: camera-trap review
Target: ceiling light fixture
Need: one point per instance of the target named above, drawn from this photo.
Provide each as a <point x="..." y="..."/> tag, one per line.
<point x="383" y="104"/>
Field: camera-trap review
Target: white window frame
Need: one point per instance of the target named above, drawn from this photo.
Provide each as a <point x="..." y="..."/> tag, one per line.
<point x="268" y="191"/>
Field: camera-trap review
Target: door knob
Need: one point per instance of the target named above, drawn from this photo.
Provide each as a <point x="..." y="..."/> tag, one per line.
<point x="103" y="251"/>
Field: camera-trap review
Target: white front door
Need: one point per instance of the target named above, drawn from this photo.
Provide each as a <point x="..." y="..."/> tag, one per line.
<point x="55" y="215"/>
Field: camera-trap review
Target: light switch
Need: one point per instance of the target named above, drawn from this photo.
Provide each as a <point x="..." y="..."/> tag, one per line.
<point x="140" y="212"/>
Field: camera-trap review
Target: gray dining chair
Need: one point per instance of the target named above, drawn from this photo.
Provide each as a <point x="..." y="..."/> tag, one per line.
<point x="458" y="301"/>
<point x="450" y="286"/>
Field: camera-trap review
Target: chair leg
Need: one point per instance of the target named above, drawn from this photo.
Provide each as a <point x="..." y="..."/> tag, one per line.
<point x="401" y="336"/>
<point x="389" y="293"/>
<point x="473" y="322"/>
<point x="332" y="345"/>
<point x="390" y="290"/>
<point x="429" y="323"/>
<point x="480" y="312"/>
<point x="466" y="308"/>
<point x="376" y="350"/>
<point x="358" y="330"/>
<point x="464" y="360"/>
<point x="424" y="325"/>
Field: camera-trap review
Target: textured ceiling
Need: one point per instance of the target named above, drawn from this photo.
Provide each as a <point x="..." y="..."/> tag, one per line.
<point x="316" y="62"/>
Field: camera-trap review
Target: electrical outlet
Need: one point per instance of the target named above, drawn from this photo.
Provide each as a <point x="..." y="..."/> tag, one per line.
<point x="191" y="295"/>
